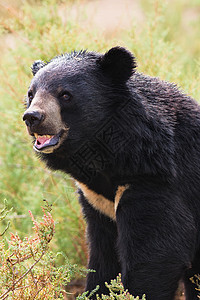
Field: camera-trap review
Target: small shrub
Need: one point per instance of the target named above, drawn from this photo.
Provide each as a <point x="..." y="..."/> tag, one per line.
<point x="196" y="280"/>
<point x="116" y="292"/>
<point x="28" y="269"/>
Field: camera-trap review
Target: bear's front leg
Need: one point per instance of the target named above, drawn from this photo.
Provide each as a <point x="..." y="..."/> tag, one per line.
<point x="155" y="240"/>
<point x="102" y="239"/>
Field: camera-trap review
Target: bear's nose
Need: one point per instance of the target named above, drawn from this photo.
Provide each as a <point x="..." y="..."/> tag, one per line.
<point x="33" y="118"/>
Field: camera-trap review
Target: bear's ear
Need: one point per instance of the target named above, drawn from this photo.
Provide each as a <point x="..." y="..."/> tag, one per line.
<point x="37" y="65"/>
<point x="118" y="63"/>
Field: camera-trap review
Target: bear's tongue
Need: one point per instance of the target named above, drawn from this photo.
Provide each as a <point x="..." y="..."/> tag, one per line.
<point x="43" y="141"/>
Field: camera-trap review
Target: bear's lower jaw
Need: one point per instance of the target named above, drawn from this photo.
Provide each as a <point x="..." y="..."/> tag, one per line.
<point x="49" y="143"/>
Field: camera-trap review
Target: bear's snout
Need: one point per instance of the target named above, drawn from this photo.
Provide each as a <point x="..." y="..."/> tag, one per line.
<point x="33" y="118"/>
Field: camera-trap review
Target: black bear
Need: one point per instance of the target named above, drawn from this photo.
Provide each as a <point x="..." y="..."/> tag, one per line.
<point x="132" y="143"/>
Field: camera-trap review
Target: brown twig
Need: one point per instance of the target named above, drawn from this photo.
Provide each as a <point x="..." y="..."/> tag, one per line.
<point x="8" y="224"/>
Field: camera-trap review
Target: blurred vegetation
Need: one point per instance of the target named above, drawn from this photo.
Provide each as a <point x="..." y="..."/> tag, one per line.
<point x="166" y="43"/>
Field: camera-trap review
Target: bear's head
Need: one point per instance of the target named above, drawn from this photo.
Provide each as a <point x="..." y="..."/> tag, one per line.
<point x="73" y="93"/>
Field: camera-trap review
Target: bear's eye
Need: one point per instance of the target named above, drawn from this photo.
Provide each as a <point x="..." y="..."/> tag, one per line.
<point x="65" y="96"/>
<point x="30" y="96"/>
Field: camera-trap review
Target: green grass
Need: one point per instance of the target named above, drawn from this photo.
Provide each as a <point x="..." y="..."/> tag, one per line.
<point x="166" y="44"/>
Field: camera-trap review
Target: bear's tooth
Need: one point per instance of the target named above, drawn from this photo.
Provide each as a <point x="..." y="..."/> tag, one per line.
<point x="36" y="135"/>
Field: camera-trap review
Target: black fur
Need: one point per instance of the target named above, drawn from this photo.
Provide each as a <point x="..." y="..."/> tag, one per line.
<point x="102" y="234"/>
<point x="128" y="128"/>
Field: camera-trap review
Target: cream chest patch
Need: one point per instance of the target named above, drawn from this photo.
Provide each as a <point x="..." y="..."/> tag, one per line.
<point x="100" y="203"/>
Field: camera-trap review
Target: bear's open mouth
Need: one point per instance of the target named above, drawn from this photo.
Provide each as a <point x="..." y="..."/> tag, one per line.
<point x="47" y="143"/>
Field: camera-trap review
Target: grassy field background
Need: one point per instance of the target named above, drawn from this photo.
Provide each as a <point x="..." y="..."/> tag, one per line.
<point x="163" y="35"/>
